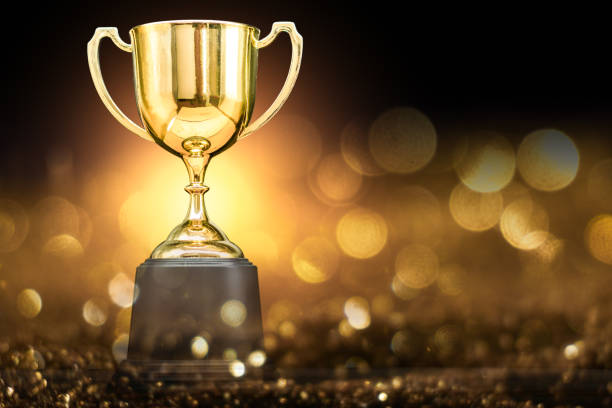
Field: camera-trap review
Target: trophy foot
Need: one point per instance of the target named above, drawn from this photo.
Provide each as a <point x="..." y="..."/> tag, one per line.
<point x="195" y="318"/>
<point x="202" y="241"/>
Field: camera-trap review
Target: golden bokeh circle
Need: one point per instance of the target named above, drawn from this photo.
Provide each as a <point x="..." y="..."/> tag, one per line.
<point x="63" y="246"/>
<point x="14" y="225"/>
<point x="29" y="303"/>
<point x="361" y="233"/>
<point x="199" y="347"/>
<point x="237" y="368"/>
<point x="416" y="266"/>
<point x="233" y="313"/>
<point x="122" y="291"/>
<point x="94" y="312"/>
<point x="599" y="184"/>
<point x="355" y="150"/>
<point x="357" y="312"/>
<point x="473" y="210"/>
<point x="548" y="160"/>
<point x="598" y="238"/>
<point x="256" y="358"/>
<point x="335" y="182"/>
<point x="524" y="224"/>
<point x="315" y="259"/>
<point x="402" y="140"/>
<point x="485" y="162"/>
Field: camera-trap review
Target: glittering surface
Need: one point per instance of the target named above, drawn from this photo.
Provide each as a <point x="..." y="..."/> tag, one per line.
<point x="396" y="268"/>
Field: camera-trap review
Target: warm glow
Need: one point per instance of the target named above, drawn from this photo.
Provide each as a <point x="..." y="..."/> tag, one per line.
<point x="598" y="238"/>
<point x="485" y="162"/>
<point x="451" y="279"/>
<point x="475" y="211"/>
<point x="14" y="225"/>
<point x="361" y="233"/>
<point x="402" y="140"/>
<point x="416" y="266"/>
<point x="548" y="160"/>
<point x="315" y="260"/>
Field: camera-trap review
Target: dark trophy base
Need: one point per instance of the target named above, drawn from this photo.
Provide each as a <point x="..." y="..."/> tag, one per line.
<point x="194" y="319"/>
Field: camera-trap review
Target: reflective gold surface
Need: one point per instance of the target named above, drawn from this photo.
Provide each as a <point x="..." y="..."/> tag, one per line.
<point x="195" y="91"/>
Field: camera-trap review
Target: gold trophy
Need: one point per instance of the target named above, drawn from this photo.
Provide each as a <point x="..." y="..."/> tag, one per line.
<point x="195" y="91"/>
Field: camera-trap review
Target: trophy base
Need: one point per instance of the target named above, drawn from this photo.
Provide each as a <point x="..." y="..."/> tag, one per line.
<point x="194" y="317"/>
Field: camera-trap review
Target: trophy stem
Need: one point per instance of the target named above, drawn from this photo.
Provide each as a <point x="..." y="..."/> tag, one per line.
<point x="196" y="164"/>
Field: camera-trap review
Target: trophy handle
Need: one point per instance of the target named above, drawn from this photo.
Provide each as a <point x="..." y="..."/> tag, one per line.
<point x="96" y="74"/>
<point x="294" y="69"/>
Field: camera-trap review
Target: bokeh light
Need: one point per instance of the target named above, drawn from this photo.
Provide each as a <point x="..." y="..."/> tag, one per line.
<point x="233" y="313"/>
<point x="524" y="224"/>
<point x="315" y="259"/>
<point x="485" y="162"/>
<point x="199" y="347"/>
<point x="63" y="246"/>
<point x="547" y="160"/>
<point x="256" y="358"/>
<point x="357" y="312"/>
<point x="122" y="291"/>
<point x="361" y="233"/>
<point x="355" y="150"/>
<point x="237" y="368"/>
<point x="94" y="312"/>
<point x="600" y="184"/>
<point x="416" y="266"/>
<point x="29" y="303"/>
<point x="598" y="237"/>
<point x="402" y="140"/>
<point x="335" y="182"/>
<point x="473" y="210"/>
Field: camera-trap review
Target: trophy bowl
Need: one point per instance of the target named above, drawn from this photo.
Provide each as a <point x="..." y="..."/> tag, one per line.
<point x="195" y="91"/>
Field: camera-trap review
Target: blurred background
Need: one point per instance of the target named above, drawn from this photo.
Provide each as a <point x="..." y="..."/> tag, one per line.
<point x="437" y="191"/>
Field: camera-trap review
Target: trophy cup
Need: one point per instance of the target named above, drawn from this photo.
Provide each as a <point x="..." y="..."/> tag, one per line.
<point x="197" y="309"/>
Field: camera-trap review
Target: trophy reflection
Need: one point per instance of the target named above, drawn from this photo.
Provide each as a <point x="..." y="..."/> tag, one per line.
<point x="198" y="302"/>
